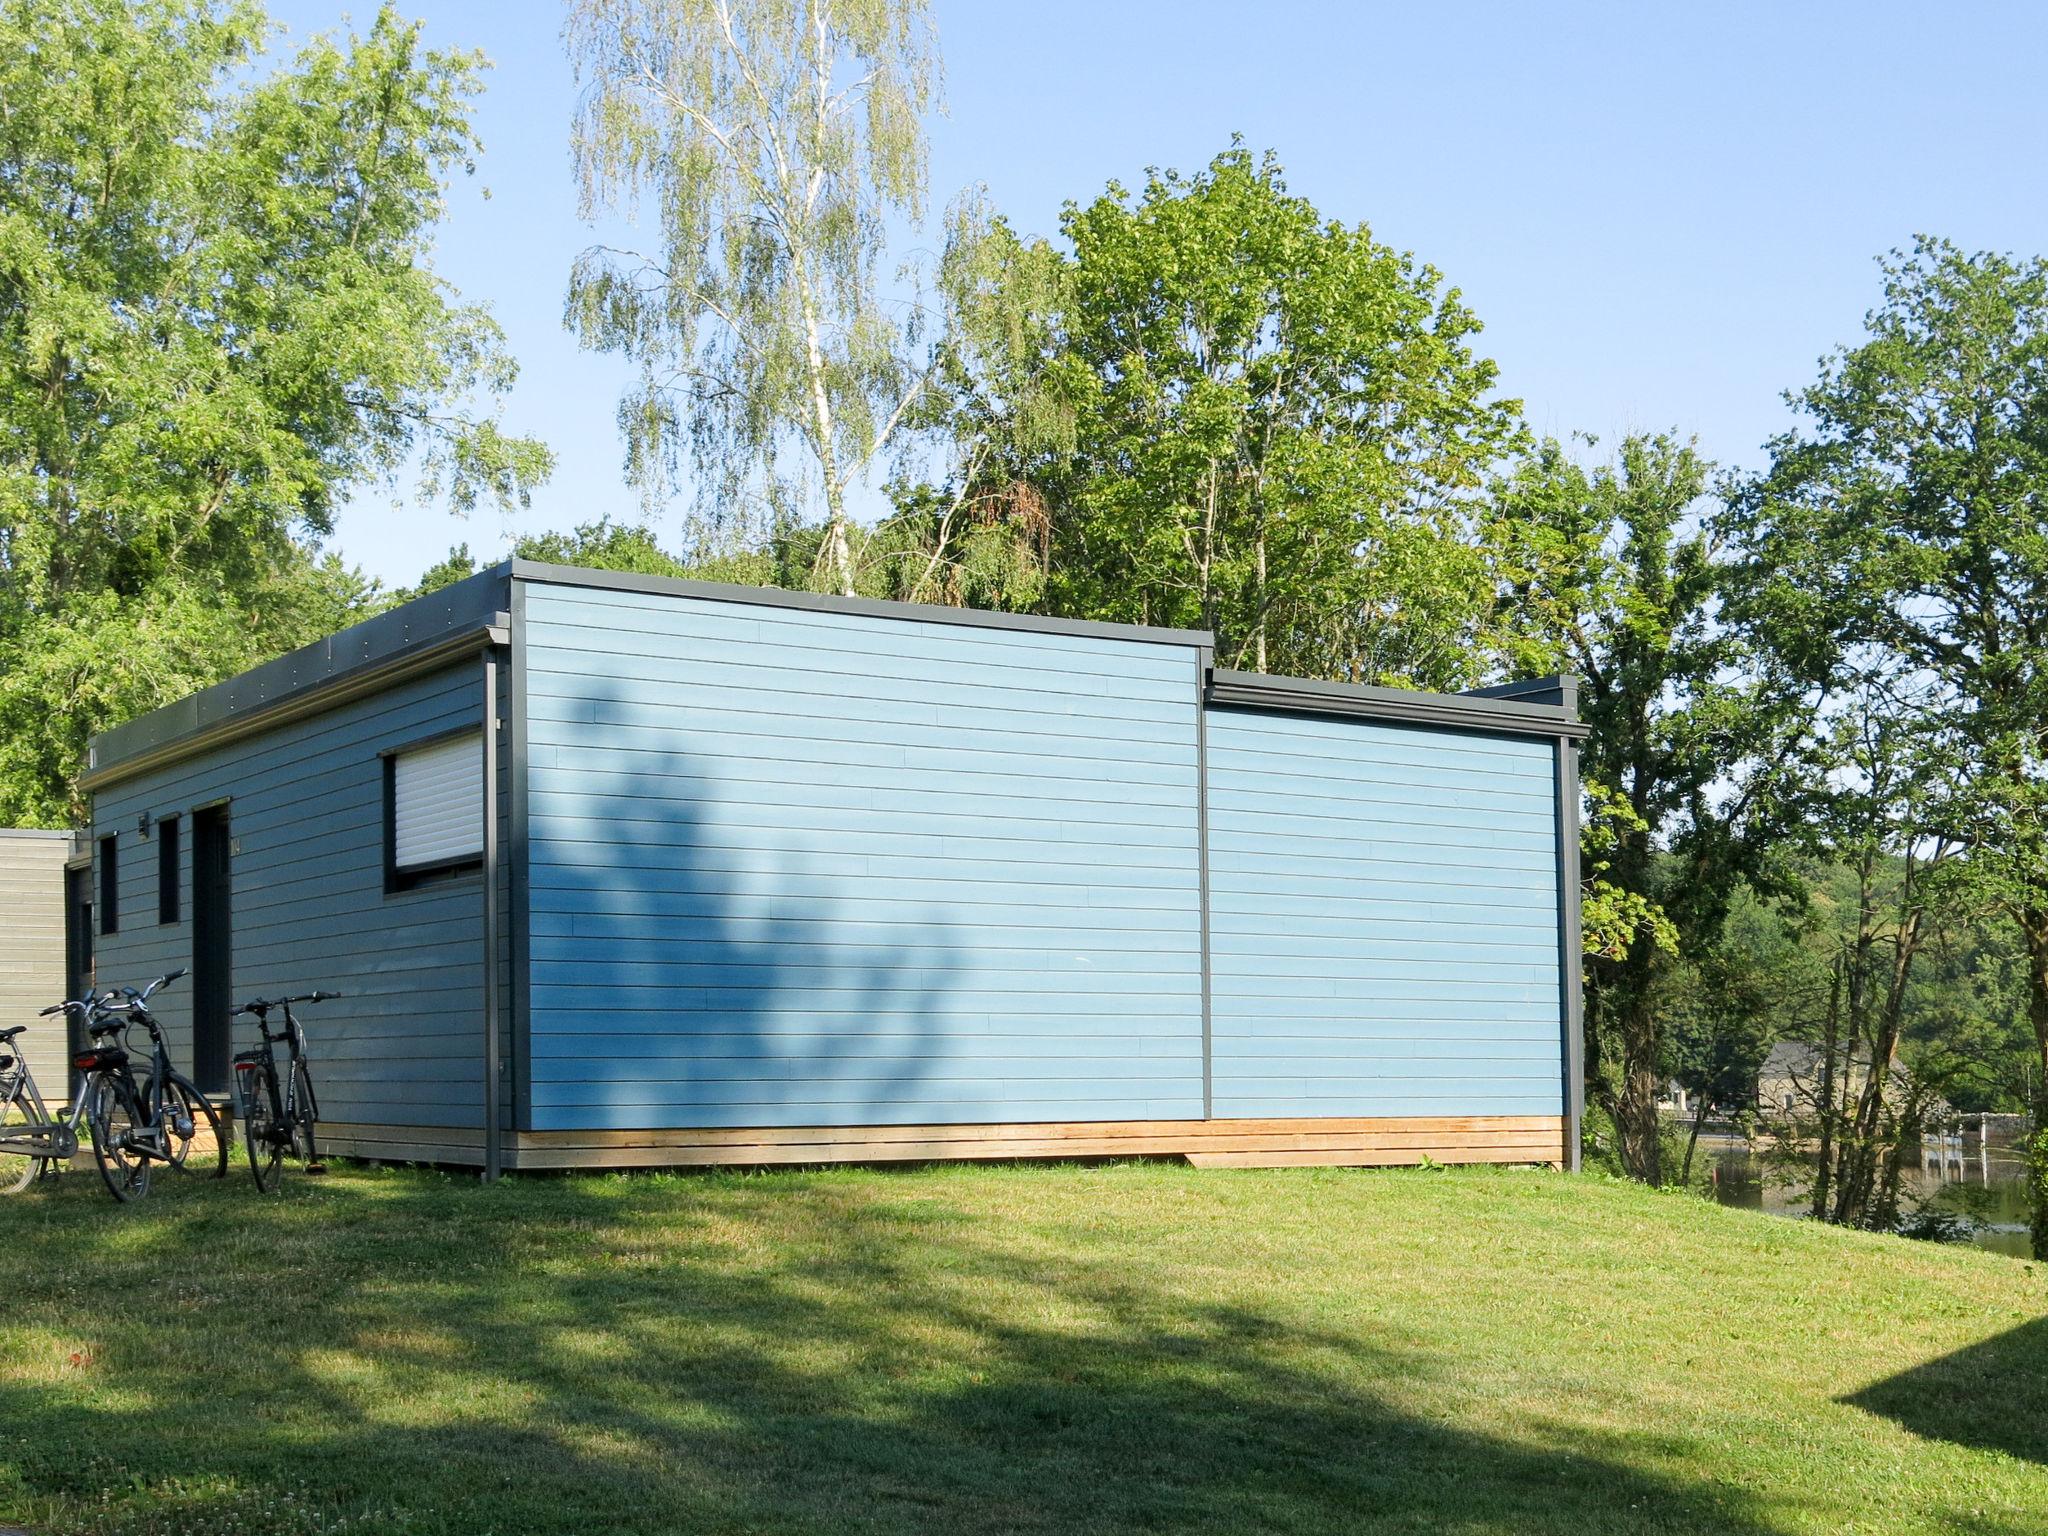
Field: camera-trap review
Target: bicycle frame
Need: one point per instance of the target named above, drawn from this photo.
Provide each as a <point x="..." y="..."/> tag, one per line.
<point x="48" y="1138"/>
<point x="146" y="1134"/>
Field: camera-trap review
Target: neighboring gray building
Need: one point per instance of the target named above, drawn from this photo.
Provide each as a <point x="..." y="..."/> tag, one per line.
<point x="621" y="870"/>
<point x="32" y="969"/>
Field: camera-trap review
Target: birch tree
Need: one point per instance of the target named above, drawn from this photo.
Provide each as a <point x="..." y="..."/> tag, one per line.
<point x="775" y="142"/>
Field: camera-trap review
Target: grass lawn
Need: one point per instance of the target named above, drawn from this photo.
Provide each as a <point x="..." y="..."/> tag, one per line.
<point x="1028" y="1349"/>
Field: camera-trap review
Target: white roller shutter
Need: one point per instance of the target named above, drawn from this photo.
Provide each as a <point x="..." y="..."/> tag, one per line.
<point x="437" y="803"/>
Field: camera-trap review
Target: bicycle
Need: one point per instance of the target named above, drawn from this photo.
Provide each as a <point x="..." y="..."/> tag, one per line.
<point x="30" y="1141"/>
<point x="136" y="1124"/>
<point x="277" y="1118"/>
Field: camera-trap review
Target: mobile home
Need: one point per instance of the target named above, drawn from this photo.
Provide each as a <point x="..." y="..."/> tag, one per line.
<point x="625" y="871"/>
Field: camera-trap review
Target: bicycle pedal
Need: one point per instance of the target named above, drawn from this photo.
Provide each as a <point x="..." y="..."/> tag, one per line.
<point x="316" y="1169"/>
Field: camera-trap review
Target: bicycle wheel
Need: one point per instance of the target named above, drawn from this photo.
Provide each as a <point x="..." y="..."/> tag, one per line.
<point x="111" y="1112"/>
<point x="192" y="1133"/>
<point x="259" y="1124"/>
<point x="18" y="1170"/>
<point x="305" y="1116"/>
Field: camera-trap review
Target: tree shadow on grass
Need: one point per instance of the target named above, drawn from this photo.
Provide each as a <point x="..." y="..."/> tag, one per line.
<point x="1991" y="1396"/>
<point x="767" y="1354"/>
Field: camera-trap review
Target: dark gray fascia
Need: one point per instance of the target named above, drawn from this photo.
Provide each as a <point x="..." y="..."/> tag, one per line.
<point x="411" y="638"/>
<point x="869" y="607"/>
<point x="1457" y="711"/>
<point x="1562" y="691"/>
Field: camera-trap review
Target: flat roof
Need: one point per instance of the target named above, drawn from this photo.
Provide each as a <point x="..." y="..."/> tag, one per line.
<point x="426" y="631"/>
<point x="435" y="628"/>
<point x="871" y="607"/>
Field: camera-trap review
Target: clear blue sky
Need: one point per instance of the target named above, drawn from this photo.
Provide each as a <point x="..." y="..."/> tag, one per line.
<point x="1663" y="214"/>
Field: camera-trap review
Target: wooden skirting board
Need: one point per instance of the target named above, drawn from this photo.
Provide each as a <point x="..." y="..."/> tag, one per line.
<point x="1204" y="1143"/>
<point x="1357" y="1143"/>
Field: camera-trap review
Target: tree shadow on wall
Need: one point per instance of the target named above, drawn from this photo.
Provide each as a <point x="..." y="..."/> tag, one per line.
<point x="1991" y="1396"/>
<point x="702" y="955"/>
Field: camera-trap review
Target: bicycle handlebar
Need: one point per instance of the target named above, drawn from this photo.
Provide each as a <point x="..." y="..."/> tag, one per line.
<point x="162" y="981"/>
<point x="260" y="1006"/>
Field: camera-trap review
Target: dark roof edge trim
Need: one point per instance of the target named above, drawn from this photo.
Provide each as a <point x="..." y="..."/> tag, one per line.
<point x="340" y="688"/>
<point x="416" y="637"/>
<point x="1454" y="711"/>
<point x="867" y="607"/>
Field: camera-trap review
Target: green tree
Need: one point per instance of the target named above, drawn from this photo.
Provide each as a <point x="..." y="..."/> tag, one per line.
<point x="1608" y="574"/>
<point x="1238" y="416"/>
<point x="1904" y="525"/>
<point x="775" y="139"/>
<point x="217" y="315"/>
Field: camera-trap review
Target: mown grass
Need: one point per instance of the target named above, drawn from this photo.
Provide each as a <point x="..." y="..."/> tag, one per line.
<point x="1019" y="1349"/>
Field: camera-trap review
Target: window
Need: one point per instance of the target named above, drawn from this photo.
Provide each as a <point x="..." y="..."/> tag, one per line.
<point x="167" y="870"/>
<point x="110" y="885"/>
<point x="433" y="810"/>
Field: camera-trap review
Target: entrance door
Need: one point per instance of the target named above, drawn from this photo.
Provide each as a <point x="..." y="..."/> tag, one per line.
<point x="77" y="955"/>
<point x="212" y="948"/>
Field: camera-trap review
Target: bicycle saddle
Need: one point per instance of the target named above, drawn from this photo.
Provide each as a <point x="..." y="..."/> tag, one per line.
<point x="9" y="1034"/>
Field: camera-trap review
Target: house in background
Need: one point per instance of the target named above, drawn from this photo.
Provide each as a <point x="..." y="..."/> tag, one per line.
<point x="1788" y="1084"/>
<point x="622" y="871"/>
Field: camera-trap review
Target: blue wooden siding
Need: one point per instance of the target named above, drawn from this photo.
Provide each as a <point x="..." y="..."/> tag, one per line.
<point x="1384" y="919"/>
<point x="306" y="809"/>
<point x="793" y="867"/>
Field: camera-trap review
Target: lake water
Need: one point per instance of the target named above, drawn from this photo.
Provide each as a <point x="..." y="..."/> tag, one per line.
<point x="1983" y="1184"/>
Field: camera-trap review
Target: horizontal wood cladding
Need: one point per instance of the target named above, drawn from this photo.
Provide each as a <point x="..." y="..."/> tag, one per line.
<point x="798" y="867"/>
<point x="401" y="1045"/>
<point x="1247" y="1143"/>
<point x="401" y="1143"/>
<point x="1384" y="920"/>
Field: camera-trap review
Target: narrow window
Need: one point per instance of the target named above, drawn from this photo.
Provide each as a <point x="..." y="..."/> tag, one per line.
<point x="433" y="811"/>
<point x="167" y="870"/>
<point x="110" y="886"/>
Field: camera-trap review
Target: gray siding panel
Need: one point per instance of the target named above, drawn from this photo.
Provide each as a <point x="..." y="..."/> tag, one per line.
<point x="403" y="1045"/>
<point x="790" y="867"/>
<point x="32" y="950"/>
<point x="1384" y="919"/>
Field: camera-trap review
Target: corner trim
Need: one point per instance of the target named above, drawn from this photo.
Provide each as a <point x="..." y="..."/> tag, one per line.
<point x="520" y="900"/>
<point x="1570" y="961"/>
<point x="493" y="1129"/>
<point x="1456" y="711"/>
<point x="1204" y="664"/>
<point x="867" y="607"/>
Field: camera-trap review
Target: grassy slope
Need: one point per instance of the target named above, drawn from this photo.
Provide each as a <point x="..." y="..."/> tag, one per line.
<point x="1006" y="1349"/>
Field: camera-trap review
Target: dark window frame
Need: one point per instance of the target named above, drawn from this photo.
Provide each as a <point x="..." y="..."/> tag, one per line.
<point x="110" y="883"/>
<point x="409" y="877"/>
<point x="169" y="909"/>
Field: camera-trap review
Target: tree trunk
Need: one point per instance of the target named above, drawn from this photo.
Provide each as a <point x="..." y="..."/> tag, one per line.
<point x="2034" y="924"/>
<point x="1699" y="1116"/>
<point x="1831" y="1037"/>
<point x="1635" y="1112"/>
